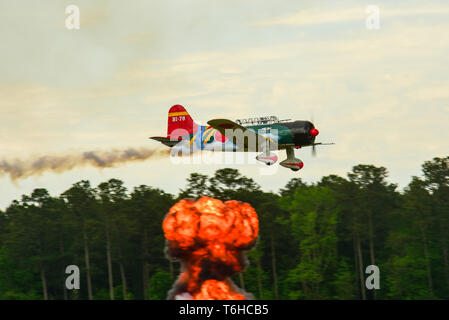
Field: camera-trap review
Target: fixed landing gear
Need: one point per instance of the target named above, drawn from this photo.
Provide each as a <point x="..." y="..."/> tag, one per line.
<point x="267" y="158"/>
<point x="291" y="162"/>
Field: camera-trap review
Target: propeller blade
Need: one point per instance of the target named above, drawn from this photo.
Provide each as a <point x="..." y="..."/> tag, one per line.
<point x="313" y="146"/>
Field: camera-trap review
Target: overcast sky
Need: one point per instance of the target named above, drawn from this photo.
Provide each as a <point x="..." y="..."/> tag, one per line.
<point x="382" y="95"/>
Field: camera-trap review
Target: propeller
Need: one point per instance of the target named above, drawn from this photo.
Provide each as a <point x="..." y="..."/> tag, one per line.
<point x="313" y="132"/>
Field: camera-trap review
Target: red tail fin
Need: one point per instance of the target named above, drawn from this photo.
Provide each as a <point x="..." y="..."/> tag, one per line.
<point x="180" y="123"/>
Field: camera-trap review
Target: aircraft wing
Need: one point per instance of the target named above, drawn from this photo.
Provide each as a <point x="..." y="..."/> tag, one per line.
<point x="245" y="139"/>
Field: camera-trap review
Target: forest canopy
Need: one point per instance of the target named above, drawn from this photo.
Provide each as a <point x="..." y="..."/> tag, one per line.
<point x="316" y="239"/>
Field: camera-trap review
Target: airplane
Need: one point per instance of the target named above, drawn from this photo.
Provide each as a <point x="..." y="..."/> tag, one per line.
<point x="263" y="134"/>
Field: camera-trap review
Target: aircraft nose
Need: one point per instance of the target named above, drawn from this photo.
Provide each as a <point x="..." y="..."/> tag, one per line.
<point x="314" y="132"/>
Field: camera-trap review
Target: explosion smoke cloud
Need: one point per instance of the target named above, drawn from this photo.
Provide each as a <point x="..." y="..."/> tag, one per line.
<point x="18" y="169"/>
<point x="209" y="238"/>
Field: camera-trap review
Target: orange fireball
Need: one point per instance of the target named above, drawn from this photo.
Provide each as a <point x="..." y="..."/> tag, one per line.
<point x="209" y="237"/>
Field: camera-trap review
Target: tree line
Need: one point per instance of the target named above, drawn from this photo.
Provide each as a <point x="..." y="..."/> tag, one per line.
<point x="316" y="239"/>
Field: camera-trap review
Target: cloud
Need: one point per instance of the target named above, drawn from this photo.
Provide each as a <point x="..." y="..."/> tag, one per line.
<point x="320" y="16"/>
<point x="436" y="91"/>
<point x="377" y="94"/>
<point x="145" y="36"/>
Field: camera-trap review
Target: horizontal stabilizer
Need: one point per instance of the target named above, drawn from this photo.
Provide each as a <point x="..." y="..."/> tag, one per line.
<point x="169" y="142"/>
